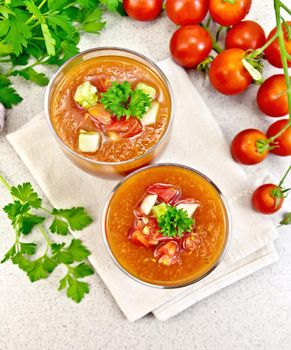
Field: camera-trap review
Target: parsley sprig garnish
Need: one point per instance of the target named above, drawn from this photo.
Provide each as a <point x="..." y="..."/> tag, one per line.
<point x="121" y="101"/>
<point x="38" y="32"/>
<point x="175" y="222"/>
<point x="23" y="212"/>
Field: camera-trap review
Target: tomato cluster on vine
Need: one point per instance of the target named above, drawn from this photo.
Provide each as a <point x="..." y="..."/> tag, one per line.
<point x="232" y="70"/>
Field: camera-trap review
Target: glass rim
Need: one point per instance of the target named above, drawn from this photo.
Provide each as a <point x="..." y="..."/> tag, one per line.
<point x="118" y="49"/>
<point x="181" y="284"/>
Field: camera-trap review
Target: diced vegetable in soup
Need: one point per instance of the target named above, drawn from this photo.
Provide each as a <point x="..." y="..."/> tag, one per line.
<point x="110" y="109"/>
<point x="166" y="225"/>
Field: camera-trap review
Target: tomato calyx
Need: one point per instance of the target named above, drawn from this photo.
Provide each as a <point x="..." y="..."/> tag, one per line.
<point x="232" y="2"/>
<point x="264" y="145"/>
<point x="204" y="66"/>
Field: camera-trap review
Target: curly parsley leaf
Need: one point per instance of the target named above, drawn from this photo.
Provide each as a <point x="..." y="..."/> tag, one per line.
<point x="76" y="289"/>
<point x="25" y="193"/>
<point x="175" y="222"/>
<point x="31" y="74"/>
<point x="114" y="6"/>
<point x="16" y="33"/>
<point x="92" y="21"/>
<point x="8" y="95"/>
<point x="139" y="103"/>
<point x="77" y="250"/>
<point x="75" y="219"/>
<point x="9" y="254"/>
<point x="121" y="100"/>
<point x="27" y="248"/>
<point x="82" y="270"/>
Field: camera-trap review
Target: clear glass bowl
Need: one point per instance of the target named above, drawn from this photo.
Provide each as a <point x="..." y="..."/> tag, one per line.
<point x="101" y="168"/>
<point x="198" y="277"/>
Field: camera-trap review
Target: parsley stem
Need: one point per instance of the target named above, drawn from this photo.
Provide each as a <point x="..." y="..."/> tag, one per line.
<point x="46" y="210"/>
<point x="5" y="183"/>
<point x="46" y="237"/>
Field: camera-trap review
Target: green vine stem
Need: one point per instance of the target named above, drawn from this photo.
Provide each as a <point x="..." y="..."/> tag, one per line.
<point x="284" y="57"/>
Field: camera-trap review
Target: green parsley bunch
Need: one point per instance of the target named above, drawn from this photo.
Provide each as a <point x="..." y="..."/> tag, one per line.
<point x="37" y="32"/>
<point x="175" y="222"/>
<point x="24" y="213"/>
<point x="120" y="100"/>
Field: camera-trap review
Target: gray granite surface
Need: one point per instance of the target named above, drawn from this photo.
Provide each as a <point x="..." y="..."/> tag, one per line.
<point x="252" y="314"/>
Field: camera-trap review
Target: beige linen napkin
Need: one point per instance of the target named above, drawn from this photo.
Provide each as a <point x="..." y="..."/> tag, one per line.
<point x="196" y="141"/>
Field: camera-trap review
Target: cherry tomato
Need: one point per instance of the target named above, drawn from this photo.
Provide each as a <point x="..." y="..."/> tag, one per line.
<point x="190" y="45"/>
<point x="245" y="35"/>
<point x="272" y="96"/>
<point x="272" y="52"/>
<point x="229" y="12"/>
<point x="283" y="142"/>
<point x="264" y="200"/>
<point x="143" y="10"/>
<point x="183" y="12"/>
<point x="125" y="128"/>
<point x="227" y="73"/>
<point x="244" y="147"/>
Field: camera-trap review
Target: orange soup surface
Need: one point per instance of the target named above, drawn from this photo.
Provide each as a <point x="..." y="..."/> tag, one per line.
<point x="122" y="139"/>
<point x="142" y="207"/>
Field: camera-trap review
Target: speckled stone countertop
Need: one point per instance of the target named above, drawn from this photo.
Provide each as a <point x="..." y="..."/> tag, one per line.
<point x="252" y="314"/>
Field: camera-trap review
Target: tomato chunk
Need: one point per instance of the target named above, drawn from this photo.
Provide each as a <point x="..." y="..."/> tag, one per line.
<point x="167" y="253"/>
<point x="98" y="112"/>
<point x="191" y="242"/>
<point x="166" y="193"/>
<point x="125" y="128"/>
<point x="101" y="81"/>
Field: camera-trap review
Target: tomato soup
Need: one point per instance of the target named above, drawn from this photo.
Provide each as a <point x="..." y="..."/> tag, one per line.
<point x="90" y="128"/>
<point x="167" y="225"/>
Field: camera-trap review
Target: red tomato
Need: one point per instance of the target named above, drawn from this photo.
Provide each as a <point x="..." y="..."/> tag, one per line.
<point x="265" y="201"/>
<point x="125" y="128"/>
<point x="98" y="112"/>
<point x="167" y="253"/>
<point x="272" y="96"/>
<point x="244" y="148"/>
<point x="272" y="52"/>
<point x="227" y="73"/>
<point x="183" y="12"/>
<point x="245" y="35"/>
<point x="143" y="10"/>
<point x="101" y="81"/>
<point x="229" y="12"/>
<point x="190" y="45"/>
<point x="283" y="142"/>
<point x="191" y="242"/>
<point x="166" y="193"/>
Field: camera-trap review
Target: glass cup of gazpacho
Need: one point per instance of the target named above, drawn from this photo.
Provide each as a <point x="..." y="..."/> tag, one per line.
<point x="110" y="109"/>
<point x="166" y="225"/>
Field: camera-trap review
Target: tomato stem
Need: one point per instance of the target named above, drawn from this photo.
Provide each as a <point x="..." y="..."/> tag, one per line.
<point x="284" y="177"/>
<point x="259" y="51"/>
<point x="284" y="7"/>
<point x="283" y="50"/>
<point x="220" y="29"/>
<point x="284" y="58"/>
<point x="215" y="45"/>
